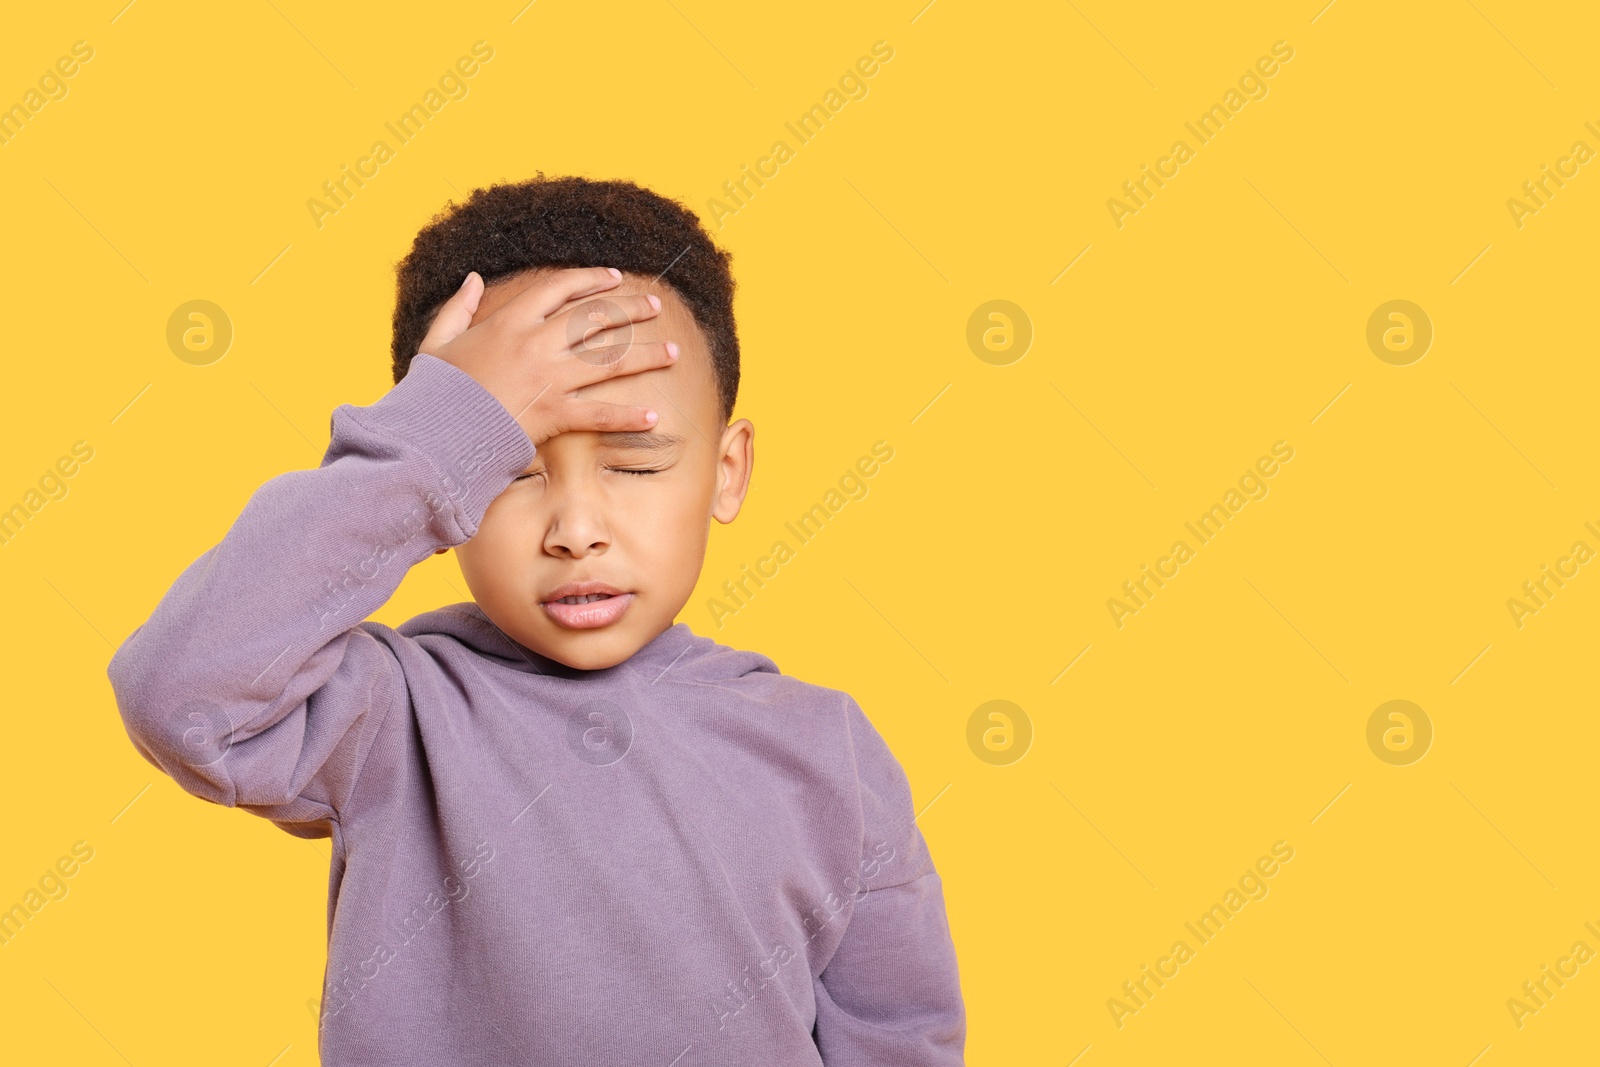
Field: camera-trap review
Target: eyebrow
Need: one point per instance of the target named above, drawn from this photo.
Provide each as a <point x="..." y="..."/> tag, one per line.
<point x="641" y="440"/>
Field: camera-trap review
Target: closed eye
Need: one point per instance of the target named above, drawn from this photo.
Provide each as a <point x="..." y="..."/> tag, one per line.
<point x="623" y="470"/>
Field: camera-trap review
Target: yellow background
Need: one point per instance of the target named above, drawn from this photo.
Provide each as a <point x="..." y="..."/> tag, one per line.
<point x="1227" y="314"/>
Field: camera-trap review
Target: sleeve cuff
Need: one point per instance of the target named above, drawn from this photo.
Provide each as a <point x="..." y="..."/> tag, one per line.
<point x="472" y="441"/>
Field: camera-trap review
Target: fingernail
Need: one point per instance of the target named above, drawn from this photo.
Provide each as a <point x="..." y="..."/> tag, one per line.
<point x="651" y="417"/>
<point x="672" y="349"/>
<point x="655" y="301"/>
<point x="615" y="273"/>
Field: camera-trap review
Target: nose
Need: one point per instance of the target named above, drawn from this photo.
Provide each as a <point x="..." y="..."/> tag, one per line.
<point x="577" y="524"/>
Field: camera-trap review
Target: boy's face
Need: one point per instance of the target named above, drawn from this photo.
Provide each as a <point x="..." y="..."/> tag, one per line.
<point x="578" y="514"/>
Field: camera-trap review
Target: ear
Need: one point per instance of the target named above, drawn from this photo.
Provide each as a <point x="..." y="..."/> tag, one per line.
<point x="736" y="463"/>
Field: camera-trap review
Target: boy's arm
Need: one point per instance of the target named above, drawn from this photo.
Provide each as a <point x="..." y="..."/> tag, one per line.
<point x="891" y="993"/>
<point x="255" y="683"/>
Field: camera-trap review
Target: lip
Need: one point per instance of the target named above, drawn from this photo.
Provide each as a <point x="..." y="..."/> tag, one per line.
<point x="586" y="616"/>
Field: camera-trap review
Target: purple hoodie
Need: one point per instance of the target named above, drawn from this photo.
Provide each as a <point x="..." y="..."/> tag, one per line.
<point x="689" y="858"/>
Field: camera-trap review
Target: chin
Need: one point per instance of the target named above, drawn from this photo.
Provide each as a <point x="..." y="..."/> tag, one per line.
<point x="590" y="651"/>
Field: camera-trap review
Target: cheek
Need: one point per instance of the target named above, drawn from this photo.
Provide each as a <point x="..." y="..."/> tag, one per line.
<point x="654" y="513"/>
<point x="695" y="524"/>
<point x="668" y="523"/>
<point x="491" y="547"/>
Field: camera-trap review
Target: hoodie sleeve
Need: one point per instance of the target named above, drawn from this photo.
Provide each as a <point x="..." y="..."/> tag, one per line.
<point x="256" y="683"/>
<point x="891" y="993"/>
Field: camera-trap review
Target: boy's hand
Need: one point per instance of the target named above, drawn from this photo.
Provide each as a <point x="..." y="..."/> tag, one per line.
<point x="533" y="360"/>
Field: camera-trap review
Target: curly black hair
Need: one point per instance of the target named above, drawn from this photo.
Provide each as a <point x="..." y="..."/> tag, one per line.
<point x="559" y="222"/>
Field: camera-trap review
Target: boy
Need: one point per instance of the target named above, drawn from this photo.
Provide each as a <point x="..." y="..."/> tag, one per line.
<point x="565" y="829"/>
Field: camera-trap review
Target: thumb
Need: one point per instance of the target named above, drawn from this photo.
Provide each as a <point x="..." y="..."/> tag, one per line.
<point x="455" y="315"/>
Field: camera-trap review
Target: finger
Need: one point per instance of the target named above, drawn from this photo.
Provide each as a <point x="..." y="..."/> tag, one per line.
<point x="627" y="358"/>
<point x="455" y="314"/>
<point x="594" y="317"/>
<point x="601" y="417"/>
<point x="545" y="297"/>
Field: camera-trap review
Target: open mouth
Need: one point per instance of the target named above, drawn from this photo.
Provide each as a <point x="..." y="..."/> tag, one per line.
<point x="588" y="611"/>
